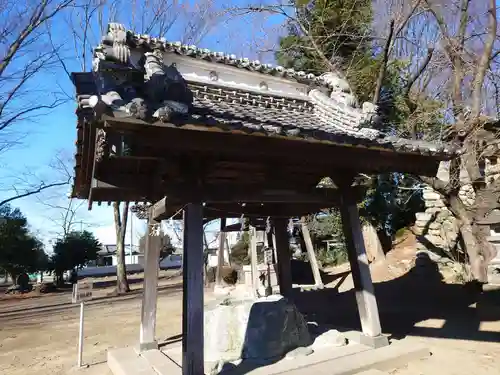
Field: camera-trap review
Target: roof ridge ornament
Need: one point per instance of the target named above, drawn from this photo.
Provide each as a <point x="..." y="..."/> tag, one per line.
<point x="114" y="45"/>
<point x="341" y="107"/>
<point x="144" y="89"/>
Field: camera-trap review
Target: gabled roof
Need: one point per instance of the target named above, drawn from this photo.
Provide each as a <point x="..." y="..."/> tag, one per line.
<point x="238" y="110"/>
<point x="325" y="110"/>
<point x="139" y="82"/>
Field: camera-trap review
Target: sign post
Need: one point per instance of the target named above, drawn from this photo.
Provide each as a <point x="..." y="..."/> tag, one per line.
<point x="82" y="291"/>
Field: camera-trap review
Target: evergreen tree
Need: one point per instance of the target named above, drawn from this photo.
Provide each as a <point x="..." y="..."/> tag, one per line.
<point x="336" y="35"/>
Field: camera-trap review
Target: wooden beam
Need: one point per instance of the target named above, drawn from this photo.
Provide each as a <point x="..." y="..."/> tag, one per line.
<point x="310" y="253"/>
<point x="360" y="270"/>
<point x="255" y="210"/>
<point x="220" y="254"/>
<point x="284" y="257"/>
<point x="213" y="194"/>
<point x="147" y="336"/>
<point x="330" y="154"/>
<point x="192" y="298"/>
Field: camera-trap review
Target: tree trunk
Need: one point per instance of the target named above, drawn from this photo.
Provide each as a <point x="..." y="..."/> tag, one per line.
<point x="59" y="279"/>
<point x="471" y="243"/>
<point x="121" y="227"/>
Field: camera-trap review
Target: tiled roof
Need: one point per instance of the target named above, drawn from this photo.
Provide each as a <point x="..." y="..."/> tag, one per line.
<point x="150" y="43"/>
<point x="233" y="110"/>
<point x="333" y="117"/>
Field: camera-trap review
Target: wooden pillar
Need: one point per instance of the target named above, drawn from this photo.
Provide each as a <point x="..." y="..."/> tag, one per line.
<point x="365" y="294"/>
<point x="228" y="249"/>
<point x="311" y="254"/>
<point x="192" y="298"/>
<point x="253" y="261"/>
<point x="284" y="256"/>
<point x="220" y="254"/>
<point x="270" y="238"/>
<point x="147" y="337"/>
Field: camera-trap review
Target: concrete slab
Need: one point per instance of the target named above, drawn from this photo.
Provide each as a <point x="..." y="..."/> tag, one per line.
<point x="348" y="360"/>
<point x="373" y="372"/>
<point x="127" y="362"/>
<point x="162" y="364"/>
<point x="386" y="358"/>
<point x="304" y="362"/>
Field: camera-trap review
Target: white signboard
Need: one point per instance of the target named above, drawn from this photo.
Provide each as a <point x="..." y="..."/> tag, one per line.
<point x="82" y="291"/>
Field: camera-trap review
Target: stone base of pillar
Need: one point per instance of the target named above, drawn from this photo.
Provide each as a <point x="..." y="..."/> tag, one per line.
<point x="147" y="346"/>
<point x="374" y="342"/>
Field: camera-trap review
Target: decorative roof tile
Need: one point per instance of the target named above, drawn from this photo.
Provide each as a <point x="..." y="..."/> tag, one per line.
<point x="149" y="43"/>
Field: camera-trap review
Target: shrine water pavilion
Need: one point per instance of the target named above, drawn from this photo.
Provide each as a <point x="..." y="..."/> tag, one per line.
<point x="215" y="136"/>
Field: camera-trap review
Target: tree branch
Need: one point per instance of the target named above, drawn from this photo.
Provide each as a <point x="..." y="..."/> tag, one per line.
<point x="484" y="61"/>
<point x="33" y="191"/>
<point x="383" y="66"/>
<point x="37" y="18"/>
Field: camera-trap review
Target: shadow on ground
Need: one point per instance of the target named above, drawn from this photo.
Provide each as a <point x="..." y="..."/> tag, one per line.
<point x="417" y="296"/>
<point x="302" y="273"/>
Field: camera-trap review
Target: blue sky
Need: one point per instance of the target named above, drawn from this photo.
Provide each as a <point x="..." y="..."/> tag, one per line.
<point x="54" y="133"/>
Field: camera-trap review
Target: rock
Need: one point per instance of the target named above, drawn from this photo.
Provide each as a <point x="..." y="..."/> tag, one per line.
<point x="439" y="204"/>
<point x="433" y="210"/>
<point x="419" y="230"/>
<point x="435" y="240"/>
<point x="435" y="226"/>
<point x="253" y="329"/>
<point x="421" y="223"/>
<point x="443" y="215"/>
<point x="329" y="339"/>
<point x="431" y="195"/>
<point x="423" y="216"/>
<point x="435" y="232"/>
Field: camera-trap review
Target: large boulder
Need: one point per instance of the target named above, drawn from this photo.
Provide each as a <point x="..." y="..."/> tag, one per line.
<point x="258" y="329"/>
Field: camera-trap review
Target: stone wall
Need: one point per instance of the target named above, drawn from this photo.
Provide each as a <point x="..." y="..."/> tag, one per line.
<point x="437" y="227"/>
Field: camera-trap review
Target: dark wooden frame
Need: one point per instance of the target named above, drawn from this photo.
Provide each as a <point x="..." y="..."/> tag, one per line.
<point x="209" y="173"/>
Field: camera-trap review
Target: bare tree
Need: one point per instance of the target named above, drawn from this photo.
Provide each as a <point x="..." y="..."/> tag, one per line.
<point x="23" y="32"/>
<point x="65" y="214"/>
<point x="451" y="81"/>
<point x="121" y="228"/>
<point x="24" y="56"/>
<point x="87" y="22"/>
